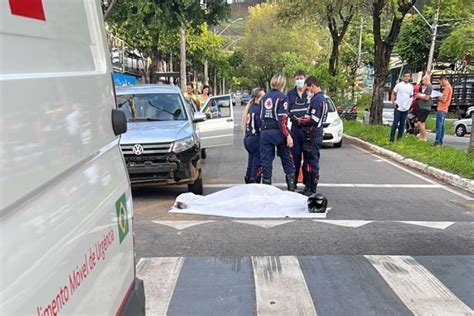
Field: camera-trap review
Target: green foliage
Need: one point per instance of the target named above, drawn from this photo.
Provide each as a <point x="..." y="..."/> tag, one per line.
<point x="459" y="42"/>
<point x="364" y="101"/>
<point x="445" y="158"/>
<point x="270" y="47"/>
<point x="415" y="37"/>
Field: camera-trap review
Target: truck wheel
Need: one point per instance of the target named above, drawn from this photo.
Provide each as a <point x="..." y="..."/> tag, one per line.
<point x="196" y="187"/>
<point x="338" y="145"/>
<point x="203" y="153"/>
<point x="460" y="130"/>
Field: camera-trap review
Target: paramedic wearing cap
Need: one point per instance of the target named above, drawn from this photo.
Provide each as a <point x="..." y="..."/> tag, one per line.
<point x="274" y="133"/>
<point x="297" y="107"/>
<point x="312" y="123"/>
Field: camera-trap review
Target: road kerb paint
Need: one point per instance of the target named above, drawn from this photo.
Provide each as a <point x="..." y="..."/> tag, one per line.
<point x="464" y="196"/>
<point x="180" y="225"/>
<point x="159" y="276"/>
<point x="280" y="287"/>
<point x="349" y="223"/>
<point x="437" y="225"/>
<point x="417" y="288"/>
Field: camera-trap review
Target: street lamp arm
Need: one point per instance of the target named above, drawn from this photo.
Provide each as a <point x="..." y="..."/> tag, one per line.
<point x="228" y="25"/>
<point x="426" y="21"/>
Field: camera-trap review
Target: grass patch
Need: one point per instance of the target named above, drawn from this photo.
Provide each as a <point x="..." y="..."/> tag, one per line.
<point x="446" y="158"/>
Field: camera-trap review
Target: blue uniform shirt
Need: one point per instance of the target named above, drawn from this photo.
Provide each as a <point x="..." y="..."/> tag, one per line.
<point x="297" y="106"/>
<point x="274" y="110"/>
<point x="253" y="123"/>
<point x="317" y="113"/>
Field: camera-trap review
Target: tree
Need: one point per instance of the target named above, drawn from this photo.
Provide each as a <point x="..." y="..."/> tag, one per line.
<point x="394" y="10"/>
<point x="413" y="44"/>
<point x="269" y="46"/>
<point x="149" y="24"/>
<point x="459" y="43"/>
<point x="336" y="14"/>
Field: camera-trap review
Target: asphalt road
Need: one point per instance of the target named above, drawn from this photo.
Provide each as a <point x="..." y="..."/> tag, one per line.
<point x="379" y="212"/>
<point x="453" y="141"/>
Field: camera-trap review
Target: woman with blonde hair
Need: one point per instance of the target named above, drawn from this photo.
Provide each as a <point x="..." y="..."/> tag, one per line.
<point x="251" y="124"/>
<point x="275" y="133"/>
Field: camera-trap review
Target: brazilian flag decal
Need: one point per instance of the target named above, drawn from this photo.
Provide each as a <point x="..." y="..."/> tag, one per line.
<point x="122" y="217"/>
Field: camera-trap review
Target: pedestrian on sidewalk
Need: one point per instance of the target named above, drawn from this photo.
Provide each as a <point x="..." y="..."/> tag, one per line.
<point x="402" y="97"/>
<point x="298" y="103"/>
<point x="442" y="109"/>
<point x="312" y="123"/>
<point x="251" y="125"/>
<point x="424" y="106"/>
<point x="275" y="134"/>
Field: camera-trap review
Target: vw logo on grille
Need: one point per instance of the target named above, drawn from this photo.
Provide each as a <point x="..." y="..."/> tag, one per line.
<point x="137" y="149"/>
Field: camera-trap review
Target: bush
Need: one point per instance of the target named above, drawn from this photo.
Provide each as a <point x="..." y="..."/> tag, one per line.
<point x="446" y="158"/>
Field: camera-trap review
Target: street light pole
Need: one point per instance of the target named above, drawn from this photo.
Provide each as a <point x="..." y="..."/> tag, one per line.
<point x="206" y="64"/>
<point x="182" y="68"/>
<point x="434" y="30"/>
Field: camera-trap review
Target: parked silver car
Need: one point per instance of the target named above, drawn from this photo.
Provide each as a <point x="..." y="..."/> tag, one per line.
<point x="161" y="145"/>
<point x="462" y="127"/>
<point x="387" y="114"/>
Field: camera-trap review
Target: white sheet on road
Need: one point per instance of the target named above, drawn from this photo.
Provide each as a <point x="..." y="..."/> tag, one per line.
<point x="247" y="201"/>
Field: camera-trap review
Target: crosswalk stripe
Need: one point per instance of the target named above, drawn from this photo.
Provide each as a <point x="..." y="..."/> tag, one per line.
<point x="264" y="224"/>
<point x="160" y="276"/>
<point x="280" y="287"/>
<point x="180" y="225"/>
<point x="418" y="289"/>
<point x="350" y="223"/>
<point x="438" y="225"/>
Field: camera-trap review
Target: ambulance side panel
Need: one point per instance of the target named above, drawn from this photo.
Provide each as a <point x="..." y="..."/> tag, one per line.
<point x="66" y="235"/>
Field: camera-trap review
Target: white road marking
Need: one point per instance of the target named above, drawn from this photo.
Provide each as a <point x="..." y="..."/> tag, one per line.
<point x="417" y="288"/>
<point x="263" y="223"/>
<point x="344" y="185"/>
<point x="281" y="287"/>
<point x="438" y="225"/>
<point x="180" y="225"/>
<point x="464" y="196"/>
<point x="160" y="276"/>
<point x="350" y="223"/>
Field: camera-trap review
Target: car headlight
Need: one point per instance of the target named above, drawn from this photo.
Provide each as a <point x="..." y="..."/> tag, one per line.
<point x="335" y="122"/>
<point x="183" y="144"/>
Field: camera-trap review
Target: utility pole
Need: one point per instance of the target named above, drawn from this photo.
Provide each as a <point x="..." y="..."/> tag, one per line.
<point x="206" y="72"/>
<point x="171" y="66"/>
<point x="182" y="53"/>
<point x="359" y="50"/>
<point x="434" y="30"/>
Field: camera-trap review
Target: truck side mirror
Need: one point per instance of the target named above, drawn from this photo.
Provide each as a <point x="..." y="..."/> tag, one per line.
<point x="119" y="122"/>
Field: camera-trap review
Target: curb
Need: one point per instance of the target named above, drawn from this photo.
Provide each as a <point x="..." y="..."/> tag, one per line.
<point x="439" y="174"/>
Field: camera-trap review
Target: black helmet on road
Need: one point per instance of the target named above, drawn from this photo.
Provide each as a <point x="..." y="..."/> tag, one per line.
<point x="317" y="203"/>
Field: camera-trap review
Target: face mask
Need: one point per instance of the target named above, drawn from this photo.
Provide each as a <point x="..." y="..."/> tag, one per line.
<point x="299" y="83"/>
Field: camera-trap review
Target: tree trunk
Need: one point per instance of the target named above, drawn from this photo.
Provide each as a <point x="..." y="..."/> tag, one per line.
<point x="333" y="60"/>
<point x="182" y="52"/>
<point x="155" y="59"/>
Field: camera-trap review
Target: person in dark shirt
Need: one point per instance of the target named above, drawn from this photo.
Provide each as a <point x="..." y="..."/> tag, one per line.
<point x="312" y="123"/>
<point x="298" y="103"/>
<point x="274" y="133"/>
<point x="251" y="125"/>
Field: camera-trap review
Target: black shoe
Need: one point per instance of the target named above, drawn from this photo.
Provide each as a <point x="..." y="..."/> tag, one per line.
<point x="247" y="179"/>
<point x="252" y="180"/>
<point x="290" y="182"/>
<point x="258" y="180"/>
<point x="267" y="181"/>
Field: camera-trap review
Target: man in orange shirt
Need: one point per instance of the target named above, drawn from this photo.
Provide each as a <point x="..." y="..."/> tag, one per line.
<point x="442" y="109"/>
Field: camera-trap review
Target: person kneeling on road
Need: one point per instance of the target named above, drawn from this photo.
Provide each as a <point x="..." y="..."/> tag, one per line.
<point x="312" y="123"/>
<point x="274" y="116"/>
<point x="251" y="124"/>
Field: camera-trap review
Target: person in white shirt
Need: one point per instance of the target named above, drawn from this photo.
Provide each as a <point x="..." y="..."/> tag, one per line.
<point x="402" y="97"/>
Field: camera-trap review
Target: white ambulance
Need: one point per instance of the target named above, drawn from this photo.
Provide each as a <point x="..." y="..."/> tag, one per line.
<point x="66" y="230"/>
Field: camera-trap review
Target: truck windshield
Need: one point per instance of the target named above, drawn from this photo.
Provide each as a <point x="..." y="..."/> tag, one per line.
<point x="152" y="107"/>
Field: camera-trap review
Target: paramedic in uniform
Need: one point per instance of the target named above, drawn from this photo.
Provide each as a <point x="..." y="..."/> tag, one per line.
<point x="297" y="106"/>
<point x="312" y="123"/>
<point x="274" y="133"/>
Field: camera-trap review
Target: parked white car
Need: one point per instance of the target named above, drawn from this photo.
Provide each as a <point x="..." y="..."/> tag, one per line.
<point x="462" y="127"/>
<point x="387" y="114"/>
<point x="333" y="127"/>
